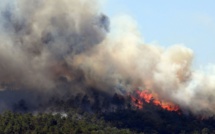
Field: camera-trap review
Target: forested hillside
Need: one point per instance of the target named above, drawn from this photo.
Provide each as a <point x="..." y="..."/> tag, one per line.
<point x="122" y="118"/>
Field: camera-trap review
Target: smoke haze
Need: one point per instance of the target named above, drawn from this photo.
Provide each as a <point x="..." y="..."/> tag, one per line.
<point x="65" y="47"/>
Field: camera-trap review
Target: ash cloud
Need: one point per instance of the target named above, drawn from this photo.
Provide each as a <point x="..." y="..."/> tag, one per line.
<point x="67" y="47"/>
<point x="40" y="38"/>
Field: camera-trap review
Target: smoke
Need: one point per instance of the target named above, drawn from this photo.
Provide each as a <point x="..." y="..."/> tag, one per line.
<point x="66" y="47"/>
<point x="40" y="38"/>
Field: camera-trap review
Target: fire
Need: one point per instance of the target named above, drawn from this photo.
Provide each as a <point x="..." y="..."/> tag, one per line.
<point x="137" y="103"/>
<point x="147" y="97"/>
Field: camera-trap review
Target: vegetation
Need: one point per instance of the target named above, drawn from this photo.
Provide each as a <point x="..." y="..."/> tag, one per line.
<point x="103" y="116"/>
<point x="160" y="121"/>
<point x="73" y="123"/>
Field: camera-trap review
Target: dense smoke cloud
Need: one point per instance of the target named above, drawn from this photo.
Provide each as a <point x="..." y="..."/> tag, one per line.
<point x="39" y="40"/>
<point x="64" y="47"/>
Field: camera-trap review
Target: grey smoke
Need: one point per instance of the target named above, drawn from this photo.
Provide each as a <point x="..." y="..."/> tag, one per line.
<point x="38" y="38"/>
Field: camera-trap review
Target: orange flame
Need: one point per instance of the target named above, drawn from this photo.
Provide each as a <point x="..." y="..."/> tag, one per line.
<point x="137" y="103"/>
<point x="149" y="97"/>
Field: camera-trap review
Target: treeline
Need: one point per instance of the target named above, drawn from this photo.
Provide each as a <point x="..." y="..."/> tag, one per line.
<point x="153" y="120"/>
<point x="116" y="115"/>
<point x="127" y="121"/>
<point x="120" y="112"/>
<point x="47" y="123"/>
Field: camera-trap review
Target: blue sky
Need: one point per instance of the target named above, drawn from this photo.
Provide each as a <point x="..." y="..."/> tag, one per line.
<point x="169" y="22"/>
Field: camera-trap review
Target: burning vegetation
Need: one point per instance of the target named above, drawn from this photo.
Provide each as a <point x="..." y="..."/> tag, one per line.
<point x="141" y="97"/>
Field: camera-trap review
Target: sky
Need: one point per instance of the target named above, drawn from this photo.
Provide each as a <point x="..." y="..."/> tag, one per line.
<point x="168" y="22"/>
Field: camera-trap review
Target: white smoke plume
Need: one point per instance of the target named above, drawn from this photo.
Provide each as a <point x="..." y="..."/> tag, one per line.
<point x="65" y="46"/>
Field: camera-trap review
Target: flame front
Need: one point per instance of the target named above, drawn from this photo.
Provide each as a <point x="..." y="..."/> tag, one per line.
<point x="147" y="97"/>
